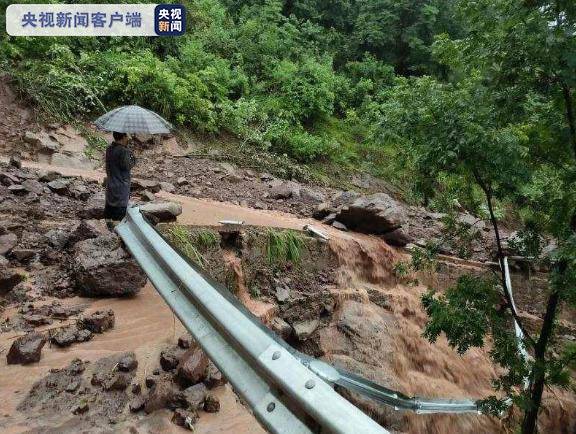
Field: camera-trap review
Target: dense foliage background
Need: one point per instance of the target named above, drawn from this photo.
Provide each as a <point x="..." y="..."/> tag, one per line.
<point x="305" y="78"/>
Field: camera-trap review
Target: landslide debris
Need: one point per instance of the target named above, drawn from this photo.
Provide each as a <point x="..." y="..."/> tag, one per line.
<point x="26" y="349"/>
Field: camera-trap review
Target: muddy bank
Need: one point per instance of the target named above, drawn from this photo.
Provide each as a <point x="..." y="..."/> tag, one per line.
<point x="342" y="302"/>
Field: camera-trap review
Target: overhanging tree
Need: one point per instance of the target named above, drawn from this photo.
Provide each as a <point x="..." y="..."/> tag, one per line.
<point x="505" y="124"/>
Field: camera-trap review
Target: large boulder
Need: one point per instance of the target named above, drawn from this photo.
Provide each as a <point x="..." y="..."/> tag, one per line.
<point x="103" y="268"/>
<point x="26" y="349"/>
<point x="162" y="211"/>
<point x="375" y="214"/>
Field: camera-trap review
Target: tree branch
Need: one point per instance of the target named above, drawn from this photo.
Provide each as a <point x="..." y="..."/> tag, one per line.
<point x="488" y="194"/>
<point x="570" y="115"/>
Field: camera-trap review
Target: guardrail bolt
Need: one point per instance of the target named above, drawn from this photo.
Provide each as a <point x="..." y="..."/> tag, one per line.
<point x="271" y="407"/>
<point x="310" y="384"/>
<point x="276" y="355"/>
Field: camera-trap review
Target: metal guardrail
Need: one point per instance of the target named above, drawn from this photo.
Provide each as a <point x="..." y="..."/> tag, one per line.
<point x="518" y="331"/>
<point x="285" y="396"/>
<point x="240" y="345"/>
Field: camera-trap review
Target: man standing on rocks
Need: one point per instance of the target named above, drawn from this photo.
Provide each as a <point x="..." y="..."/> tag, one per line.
<point x="119" y="163"/>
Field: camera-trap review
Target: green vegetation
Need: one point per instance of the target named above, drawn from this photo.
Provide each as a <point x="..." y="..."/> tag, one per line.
<point x="301" y="79"/>
<point x="284" y="246"/>
<point x="182" y="238"/>
<point x="205" y="239"/>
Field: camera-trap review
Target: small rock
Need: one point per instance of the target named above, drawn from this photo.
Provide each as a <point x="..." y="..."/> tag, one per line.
<point x="313" y="196"/>
<point x="76" y="366"/>
<point x="330" y="218"/>
<point x="266" y="177"/>
<point x="339" y="226"/>
<point x="48" y="176"/>
<point x="59" y="186"/>
<point x="184" y="418"/>
<point x="150" y="381"/>
<point x="73" y="386"/>
<point x="144" y="184"/>
<point x="93" y="208"/>
<point x="8" y="179"/>
<point x="284" y="191"/>
<point x="83" y="335"/>
<point x="128" y="363"/>
<point x="7" y="243"/>
<point x="23" y="254"/>
<point x="65" y="337"/>
<point x="281" y="328"/>
<point x="162" y="211"/>
<point x="99" y="321"/>
<point x="282" y="293"/>
<point x="26" y="349"/>
<point x="211" y="404"/>
<point x="397" y="237"/>
<point x="304" y="329"/>
<point x="9" y="278"/>
<point x="169" y="359"/>
<point x="214" y="377"/>
<point x="87" y="229"/>
<point x="234" y="179"/>
<point x="117" y="381"/>
<point x="16" y="162"/>
<point x="192" y="367"/>
<point x="33" y="186"/>
<point x="182" y="181"/>
<point x="81" y="408"/>
<point x="18" y="190"/>
<point x="186" y="341"/>
<point x="40" y="141"/>
<point x="167" y="187"/>
<point x="137" y="404"/>
<point x="147" y="196"/>
<point x="136" y="389"/>
<point x="36" y="320"/>
<point x="195" y="395"/>
<point x="164" y="395"/>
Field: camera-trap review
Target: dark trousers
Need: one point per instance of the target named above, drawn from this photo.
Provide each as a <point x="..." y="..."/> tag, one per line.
<point x="114" y="212"/>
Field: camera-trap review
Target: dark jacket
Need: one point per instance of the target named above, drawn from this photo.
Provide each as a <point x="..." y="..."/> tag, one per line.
<point x="119" y="162"/>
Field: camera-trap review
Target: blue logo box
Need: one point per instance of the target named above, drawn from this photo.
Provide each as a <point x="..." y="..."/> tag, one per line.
<point x="170" y="20"/>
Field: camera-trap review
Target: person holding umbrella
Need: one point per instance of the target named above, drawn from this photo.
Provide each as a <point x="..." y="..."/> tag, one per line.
<point x="120" y="160"/>
<point x="119" y="163"/>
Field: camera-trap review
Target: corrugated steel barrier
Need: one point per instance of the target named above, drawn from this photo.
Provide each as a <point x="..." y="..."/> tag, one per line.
<point x="288" y="392"/>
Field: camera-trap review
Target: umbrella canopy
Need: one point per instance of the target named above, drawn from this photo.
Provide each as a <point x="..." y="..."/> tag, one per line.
<point x="133" y="119"/>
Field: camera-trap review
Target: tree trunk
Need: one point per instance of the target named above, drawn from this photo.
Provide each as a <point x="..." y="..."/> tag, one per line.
<point x="538" y="373"/>
<point x="570" y="115"/>
<point x="494" y="222"/>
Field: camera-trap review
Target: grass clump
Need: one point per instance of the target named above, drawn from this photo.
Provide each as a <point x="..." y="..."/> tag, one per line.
<point x="205" y="239"/>
<point x="180" y="235"/>
<point x="284" y="246"/>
